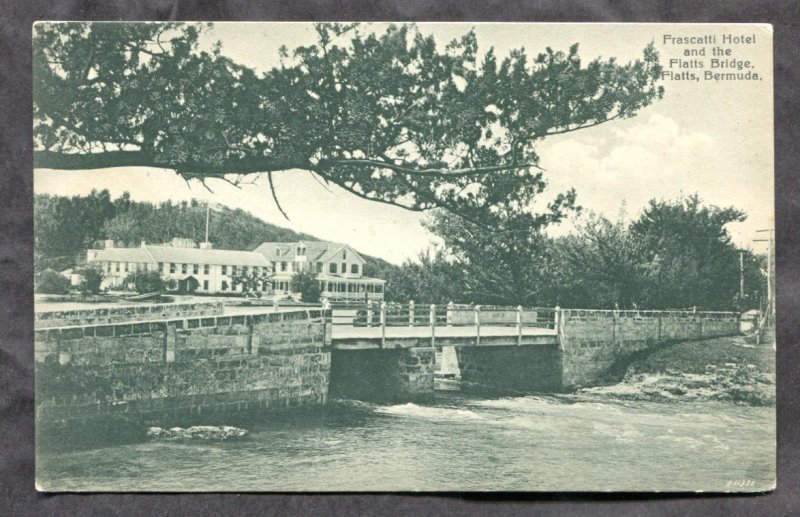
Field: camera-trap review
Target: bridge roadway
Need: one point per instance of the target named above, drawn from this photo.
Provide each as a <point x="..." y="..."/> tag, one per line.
<point x="348" y="336"/>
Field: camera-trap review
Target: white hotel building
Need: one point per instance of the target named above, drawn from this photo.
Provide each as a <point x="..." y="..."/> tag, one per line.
<point x="338" y="267"/>
<point x="183" y="265"/>
<point x="188" y="268"/>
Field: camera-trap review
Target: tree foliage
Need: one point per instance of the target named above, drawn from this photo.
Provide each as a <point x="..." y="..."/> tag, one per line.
<point x="505" y="265"/>
<point x="432" y="278"/>
<point x="92" y="279"/>
<point x="305" y="282"/>
<point x="64" y="227"/>
<point x="392" y="117"/>
<point x="676" y="254"/>
<point x="50" y="282"/>
<point x="688" y="258"/>
<point x="598" y="266"/>
<point x="251" y="281"/>
<point x="145" y="282"/>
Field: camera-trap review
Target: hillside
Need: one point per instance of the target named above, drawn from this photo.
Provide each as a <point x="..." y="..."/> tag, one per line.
<point x="64" y="227"/>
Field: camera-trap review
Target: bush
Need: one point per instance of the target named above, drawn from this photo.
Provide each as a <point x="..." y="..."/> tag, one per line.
<point x="306" y="284"/>
<point x="92" y="278"/>
<point x="146" y="281"/>
<point x="50" y="282"/>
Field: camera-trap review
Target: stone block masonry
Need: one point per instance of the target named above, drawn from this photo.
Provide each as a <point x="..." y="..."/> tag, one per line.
<point x="509" y="370"/>
<point x="181" y="371"/>
<point x="383" y="374"/>
<point x="119" y="313"/>
<point x="593" y="341"/>
<point x="590" y="343"/>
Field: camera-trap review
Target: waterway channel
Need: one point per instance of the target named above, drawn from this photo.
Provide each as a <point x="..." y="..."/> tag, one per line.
<point x="456" y="443"/>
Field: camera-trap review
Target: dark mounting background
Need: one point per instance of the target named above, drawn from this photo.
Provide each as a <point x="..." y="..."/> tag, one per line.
<point x="17" y="495"/>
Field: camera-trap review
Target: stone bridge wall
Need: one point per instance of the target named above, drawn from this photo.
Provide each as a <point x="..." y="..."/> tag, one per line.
<point x="181" y="371"/>
<point x="592" y="341"/>
<point x="509" y="370"/>
<point x="118" y="313"/>
<point x="383" y="374"/>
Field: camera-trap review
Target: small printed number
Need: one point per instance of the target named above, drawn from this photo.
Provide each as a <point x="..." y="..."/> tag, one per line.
<point x="740" y="483"/>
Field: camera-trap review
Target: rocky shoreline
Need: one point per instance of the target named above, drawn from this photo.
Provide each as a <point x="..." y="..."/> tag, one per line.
<point x="722" y="369"/>
<point x="197" y="432"/>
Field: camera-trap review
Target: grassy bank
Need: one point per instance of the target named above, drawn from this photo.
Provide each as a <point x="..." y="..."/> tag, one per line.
<point x="725" y="369"/>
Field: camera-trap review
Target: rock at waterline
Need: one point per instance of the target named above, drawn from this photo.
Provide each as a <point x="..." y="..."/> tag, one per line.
<point x="198" y="432"/>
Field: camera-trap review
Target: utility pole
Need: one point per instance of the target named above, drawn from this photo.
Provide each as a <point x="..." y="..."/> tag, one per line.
<point x="741" y="280"/>
<point x="770" y="273"/>
<point x="207" y="219"/>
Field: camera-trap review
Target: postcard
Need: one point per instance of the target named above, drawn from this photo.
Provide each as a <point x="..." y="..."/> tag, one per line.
<point x="324" y="257"/>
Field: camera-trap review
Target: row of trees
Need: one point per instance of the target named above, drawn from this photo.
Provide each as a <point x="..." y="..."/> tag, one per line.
<point x="64" y="227"/>
<point x="676" y="254"/>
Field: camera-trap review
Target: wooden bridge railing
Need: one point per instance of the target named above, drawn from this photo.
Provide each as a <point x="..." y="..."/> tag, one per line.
<point x="410" y="314"/>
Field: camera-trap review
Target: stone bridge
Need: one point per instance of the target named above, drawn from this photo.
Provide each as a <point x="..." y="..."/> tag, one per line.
<point x="387" y="351"/>
<point x="172" y="364"/>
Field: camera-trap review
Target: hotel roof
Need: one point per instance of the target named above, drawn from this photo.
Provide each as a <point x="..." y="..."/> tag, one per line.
<point x="315" y="250"/>
<point x="170" y="254"/>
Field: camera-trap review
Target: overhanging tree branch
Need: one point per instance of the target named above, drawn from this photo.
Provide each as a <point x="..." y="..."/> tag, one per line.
<point x="449" y="173"/>
<point x="394" y="98"/>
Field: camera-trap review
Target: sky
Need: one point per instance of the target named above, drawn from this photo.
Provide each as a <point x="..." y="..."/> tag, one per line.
<point x="714" y="138"/>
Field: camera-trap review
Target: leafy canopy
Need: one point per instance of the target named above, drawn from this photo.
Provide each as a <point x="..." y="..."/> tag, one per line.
<point x="504" y="265"/>
<point x="306" y="284"/>
<point x="390" y="117"/>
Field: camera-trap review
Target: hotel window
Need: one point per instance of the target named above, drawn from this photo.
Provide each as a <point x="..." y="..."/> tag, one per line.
<point x="301" y="251"/>
<point x="354" y="268"/>
<point x="161" y="267"/>
<point x="205" y="285"/>
<point x="344" y="268"/>
<point x="245" y="269"/>
<point x="224" y="285"/>
<point x="184" y="268"/>
<point x="344" y="255"/>
<point x="283" y="266"/>
<point x="332" y="267"/>
<point x="196" y="269"/>
<point x="108" y="267"/>
<point x="319" y="267"/>
<point x="234" y="270"/>
<point x="117" y="267"/>
<point x="126" y="267"/>
<point x="206" y="269"/>
<point x="274" y="266"/>
<point x="224" y="270"/>
<point x="171" y="267"/>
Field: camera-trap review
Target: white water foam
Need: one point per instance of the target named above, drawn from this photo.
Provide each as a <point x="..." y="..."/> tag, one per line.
<point x="429" y="412"/>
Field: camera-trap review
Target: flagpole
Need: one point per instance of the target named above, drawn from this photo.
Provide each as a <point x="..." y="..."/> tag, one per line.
<point x="207" y="218"/>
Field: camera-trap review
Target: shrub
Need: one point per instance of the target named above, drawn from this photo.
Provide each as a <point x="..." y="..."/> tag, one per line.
<point x="92" y="278"/>
<point x="305" y="283"/>
<point x="146" y="281"/>
<point x="50" y="282"/>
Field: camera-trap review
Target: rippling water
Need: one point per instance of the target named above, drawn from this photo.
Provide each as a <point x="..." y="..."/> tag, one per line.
<point x="457" y="444"/>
